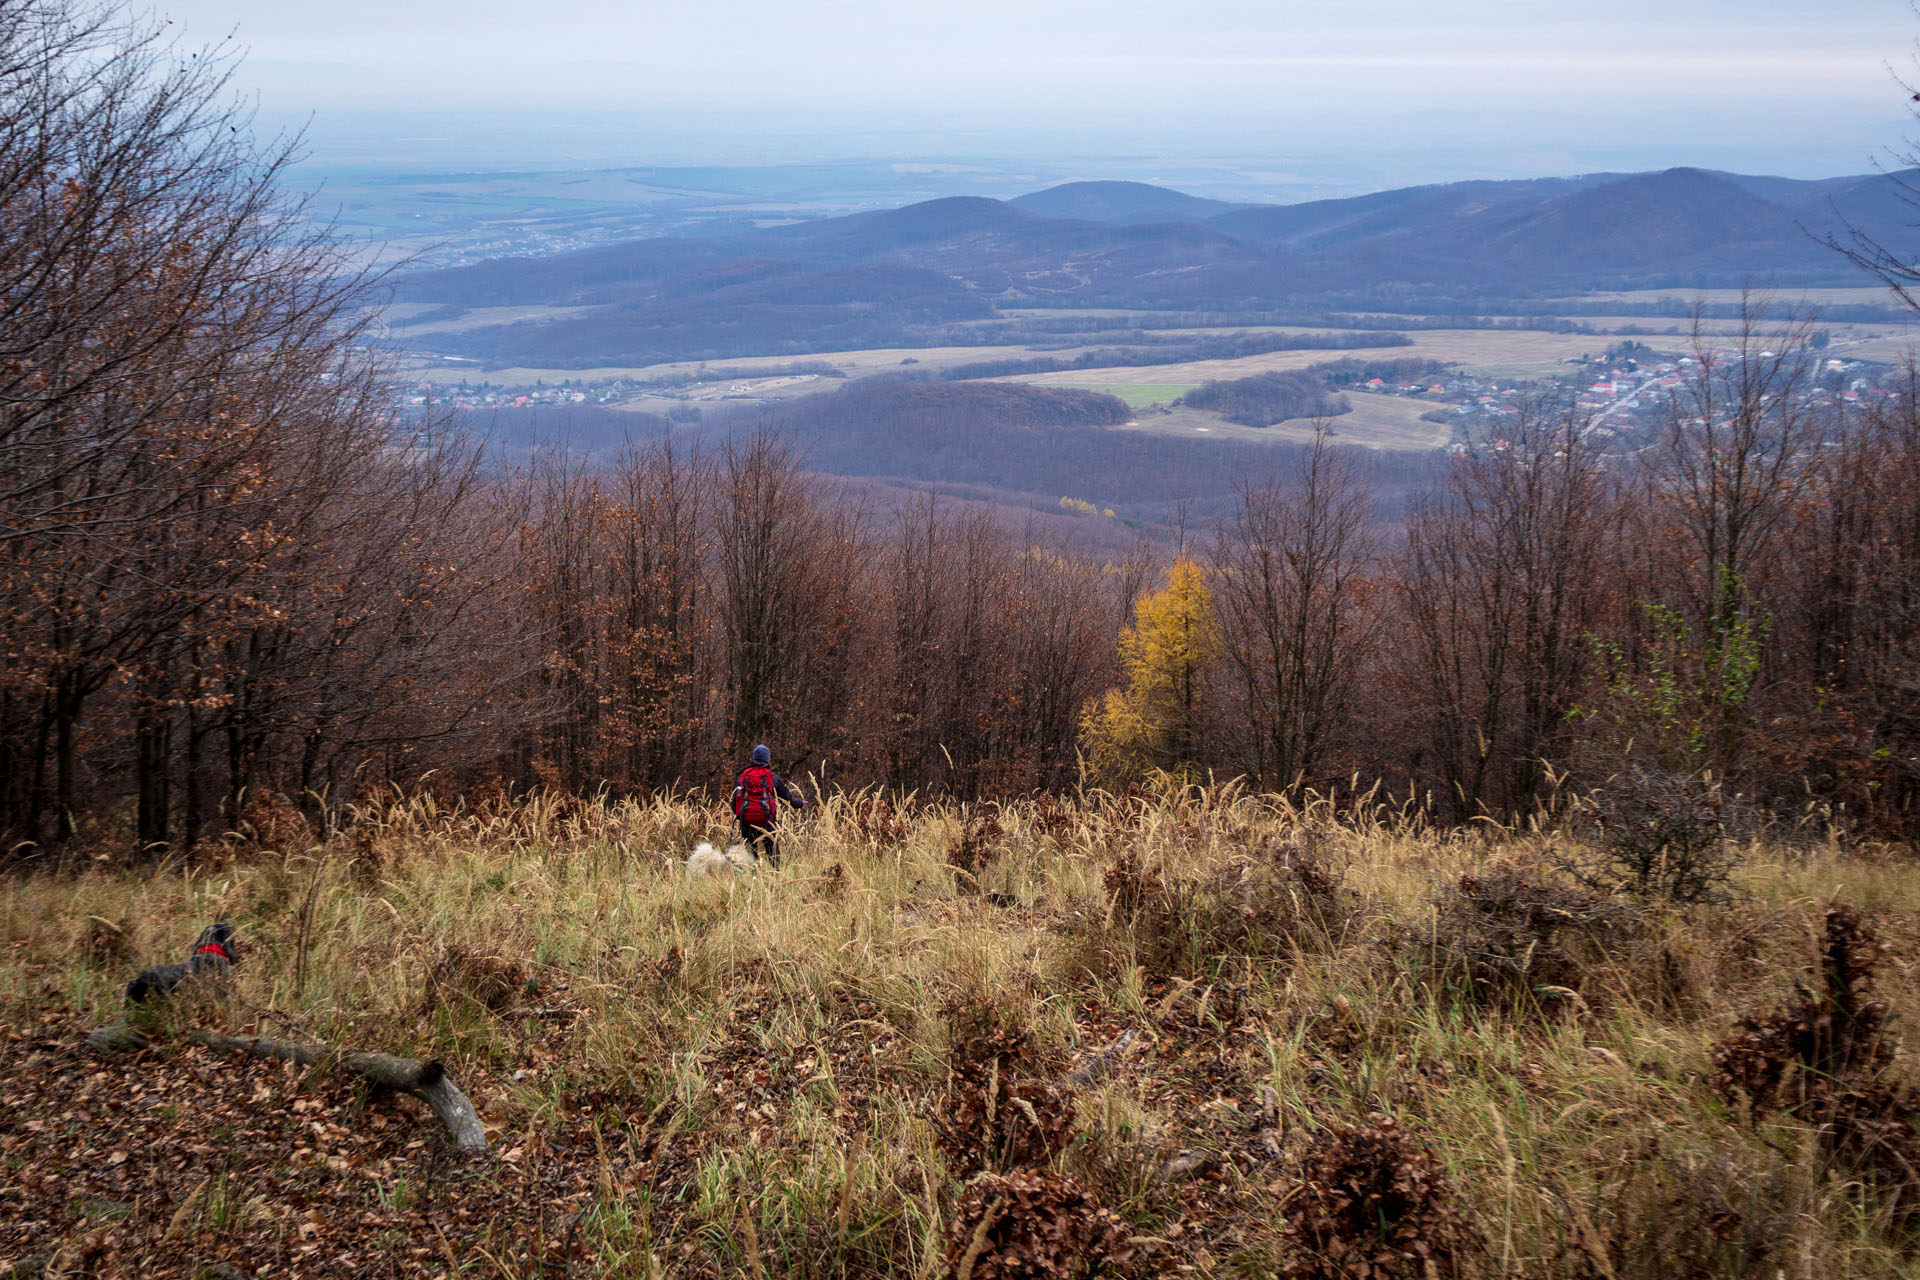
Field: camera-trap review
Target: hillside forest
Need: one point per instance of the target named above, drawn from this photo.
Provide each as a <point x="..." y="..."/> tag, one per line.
<point x="232" y="570"/>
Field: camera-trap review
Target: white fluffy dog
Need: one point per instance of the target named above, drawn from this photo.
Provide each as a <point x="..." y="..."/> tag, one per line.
<point x="708" y="861"/>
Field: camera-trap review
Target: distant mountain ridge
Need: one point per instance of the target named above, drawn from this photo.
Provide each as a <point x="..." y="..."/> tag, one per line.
<point x="1121" y="202"/>
<point x="881" y="277"/>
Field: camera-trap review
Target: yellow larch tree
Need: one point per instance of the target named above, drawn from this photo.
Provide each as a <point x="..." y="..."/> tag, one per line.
<point x="1152" y="723"/>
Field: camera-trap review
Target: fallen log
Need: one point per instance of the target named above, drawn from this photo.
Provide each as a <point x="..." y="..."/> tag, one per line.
<point x="427" y="1081"/>
<point x="119" y="1035"/>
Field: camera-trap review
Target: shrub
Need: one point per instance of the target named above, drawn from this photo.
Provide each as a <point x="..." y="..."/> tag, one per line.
<point x="1663" y="836"/>
<point x="1691" y="1214"/>
<point x="1372" y="1207"/>
<point x="1033" y="1226"/>
<point x="1512" y="931"/>
<point x="994" y="1116"/>
<point x="978" y="846"/>
<point x="462" y="976"/>
<point x="1251" y="908"/>
<point x="1827" y="1038"/>
<point x="1824" y="1061"/>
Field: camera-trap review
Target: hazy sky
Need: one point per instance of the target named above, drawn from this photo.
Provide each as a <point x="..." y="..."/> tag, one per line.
<point x="1246" y="75"/>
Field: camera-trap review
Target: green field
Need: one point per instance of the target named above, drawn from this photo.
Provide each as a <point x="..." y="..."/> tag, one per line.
<point x="1137" y="395"/>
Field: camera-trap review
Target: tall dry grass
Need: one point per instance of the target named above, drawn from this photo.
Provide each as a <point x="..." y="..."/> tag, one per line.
<point x="794" y="1050"/>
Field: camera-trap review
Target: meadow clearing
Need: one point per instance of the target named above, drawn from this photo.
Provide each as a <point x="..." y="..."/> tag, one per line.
<point x="1209" y="1033"/>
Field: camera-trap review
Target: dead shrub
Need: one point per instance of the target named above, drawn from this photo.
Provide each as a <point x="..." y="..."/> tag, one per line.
<point x="104" y="941"/>
<point x="979" y="844"/>
<point x="1371" y="1207"/>
<point x="1252" y="907"/>
<point x="1662" y="837"/>
<point x="1514" y="933"/>
<point x="1825" y="1060"/>
<point x="272" y="821"/>
<point x="462" y="976"/>
<point x="1827" y="1037"/>
<point x="877" y="820"/>
<point x="369" y="862"/>
<point x="1689" y="1215"/>
<point x="1027" y="1225"/>
<point x="1053" y="817"/>
<point x="997" y="1114"/>
<point x="978" y="847"/>
<point x="1131" y="887"/>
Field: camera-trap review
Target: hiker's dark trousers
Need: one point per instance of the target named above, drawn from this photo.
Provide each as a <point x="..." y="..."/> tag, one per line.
<point x="759" y="837"/>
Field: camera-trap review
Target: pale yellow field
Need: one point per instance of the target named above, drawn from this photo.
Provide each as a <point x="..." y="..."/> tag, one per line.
<point x="1515" y="351"/>
<point x="852" y="363"/>
<point x="474" y="318"/>
<point x="1377" y="422"/>
<point x="1867" y="295"/>
<point x="1890" y="348"/>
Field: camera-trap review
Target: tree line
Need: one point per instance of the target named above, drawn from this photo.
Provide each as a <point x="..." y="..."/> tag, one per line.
<point x="1734" y="601"/>
<point x="232" y="571"/>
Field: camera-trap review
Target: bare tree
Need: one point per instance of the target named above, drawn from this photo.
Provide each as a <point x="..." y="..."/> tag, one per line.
<point x="1291" y="583"/>
<point x="1726" y="476"/>
<point x="1503" y="577"/>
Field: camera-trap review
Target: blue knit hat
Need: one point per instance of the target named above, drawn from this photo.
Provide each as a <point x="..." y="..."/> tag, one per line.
<point x="761" y="755"/>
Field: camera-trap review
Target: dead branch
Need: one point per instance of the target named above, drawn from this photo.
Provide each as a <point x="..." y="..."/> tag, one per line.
<point x="427" y="1081"/>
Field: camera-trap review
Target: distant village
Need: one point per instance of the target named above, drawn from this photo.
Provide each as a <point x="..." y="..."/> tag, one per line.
<point x="1625" y="392"/>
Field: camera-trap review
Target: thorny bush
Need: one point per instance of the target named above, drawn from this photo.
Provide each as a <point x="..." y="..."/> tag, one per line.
<point x="1662" y="837"/>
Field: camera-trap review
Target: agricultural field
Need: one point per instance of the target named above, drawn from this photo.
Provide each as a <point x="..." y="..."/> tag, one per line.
<point x="1491" y="350"/>
<point x="1139" y="395"/>
<point x="857" y="363"/>
<point x="1863" y="295"/>
<point x="1377" y="422"/>
<point x="1212" y="1033"/>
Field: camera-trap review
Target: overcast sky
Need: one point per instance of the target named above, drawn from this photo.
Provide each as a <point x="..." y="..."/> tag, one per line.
<point x="1247" y="74"/>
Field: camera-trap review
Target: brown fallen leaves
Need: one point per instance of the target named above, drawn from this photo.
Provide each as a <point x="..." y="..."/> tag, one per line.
<point x="180" y="1161"/>
<point x="1373" y="1206"/>
<point x="1029" y="1225"/>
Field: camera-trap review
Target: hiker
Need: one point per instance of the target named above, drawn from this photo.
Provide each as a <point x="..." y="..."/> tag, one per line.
<point x="756" y="802"/>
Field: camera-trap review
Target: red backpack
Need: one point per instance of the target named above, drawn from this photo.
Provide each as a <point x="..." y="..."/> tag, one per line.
<point x="754" y="799"/>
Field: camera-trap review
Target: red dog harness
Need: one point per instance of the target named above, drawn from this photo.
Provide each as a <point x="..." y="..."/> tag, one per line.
<point x="213" y="949"/>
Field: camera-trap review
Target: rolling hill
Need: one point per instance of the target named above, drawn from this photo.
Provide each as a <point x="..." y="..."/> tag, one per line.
<point x="1120" y="202"/>
<point x="917" y="275"/>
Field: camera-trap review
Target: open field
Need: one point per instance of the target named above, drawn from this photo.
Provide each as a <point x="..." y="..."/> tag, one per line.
<point x="1888" y="349"/>
<point x="1377" y="422"/>
<point x="473" y="318"/>
<point x="932" y="1041"/>
<point x="852" y="363"/>
<point x="1504" y="351"/>
<point x="1864" y="295"/>
<point x="1137" y="396"/>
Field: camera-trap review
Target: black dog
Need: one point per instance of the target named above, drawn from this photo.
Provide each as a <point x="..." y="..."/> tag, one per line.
<point x="211" y="959"/>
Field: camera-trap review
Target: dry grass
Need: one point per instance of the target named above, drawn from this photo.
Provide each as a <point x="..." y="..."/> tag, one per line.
<point x="1376" y="422"/>
<point x="761" y="1077"/>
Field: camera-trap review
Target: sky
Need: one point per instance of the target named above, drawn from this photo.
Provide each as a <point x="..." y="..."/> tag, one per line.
<point x="1519" y="85"/>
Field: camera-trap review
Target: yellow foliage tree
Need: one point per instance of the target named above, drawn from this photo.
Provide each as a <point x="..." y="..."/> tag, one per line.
<point x="1153" y="722"/>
